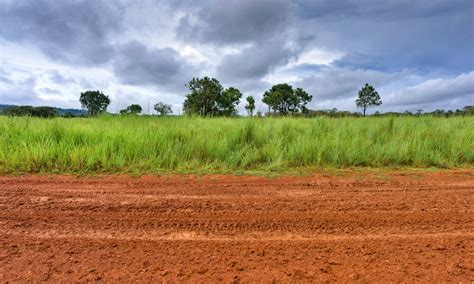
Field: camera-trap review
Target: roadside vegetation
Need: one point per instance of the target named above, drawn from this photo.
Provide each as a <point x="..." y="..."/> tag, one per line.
<point x="152" y="144"/>
<point x="210" y="139"/>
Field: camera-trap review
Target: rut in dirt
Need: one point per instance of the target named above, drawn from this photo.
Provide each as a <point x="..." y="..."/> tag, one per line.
<point x="358" y="226"/>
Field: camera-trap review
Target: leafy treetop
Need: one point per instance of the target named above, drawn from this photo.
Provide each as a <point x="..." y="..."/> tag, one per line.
<point x="94" y="101"/>
<point x="368" y="97"/>
<point x="282" y="98"/>
<point x="250" y="106"/>
<point x="208" y="98"/>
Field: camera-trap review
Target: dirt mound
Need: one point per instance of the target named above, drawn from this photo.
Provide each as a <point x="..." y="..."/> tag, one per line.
<point x="391" y="226"/>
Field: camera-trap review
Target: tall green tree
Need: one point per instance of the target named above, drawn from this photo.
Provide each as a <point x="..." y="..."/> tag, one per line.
<point x="302" y="99"/>
<point x="202" y="99"/>
<point x="368" y="97"/>
<point x="208" y="98"/>
<point x="250" y="106"/>
<point x="132" y="109"/>
<point x="94" y="101"/>
<point x="283" y="99"/>
<point x="228" y="101"/>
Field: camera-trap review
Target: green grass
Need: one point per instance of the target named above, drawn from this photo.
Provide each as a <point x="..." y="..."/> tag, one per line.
<point x="227" y="145"/>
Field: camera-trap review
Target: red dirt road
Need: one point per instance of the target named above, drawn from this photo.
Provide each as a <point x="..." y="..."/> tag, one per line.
<point x="395" y="226"/>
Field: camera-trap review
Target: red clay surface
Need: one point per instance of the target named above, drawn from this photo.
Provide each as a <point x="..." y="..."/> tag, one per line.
<point x="395" y="226"/>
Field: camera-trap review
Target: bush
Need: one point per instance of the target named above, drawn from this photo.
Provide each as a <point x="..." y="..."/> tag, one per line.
<point x="43" y="111"/>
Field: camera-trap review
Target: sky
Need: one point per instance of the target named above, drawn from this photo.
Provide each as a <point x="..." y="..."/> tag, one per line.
<point x="417" y="54"/>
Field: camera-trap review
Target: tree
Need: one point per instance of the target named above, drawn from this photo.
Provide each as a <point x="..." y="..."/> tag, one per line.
<point x="203" y="97"/>
<point x="283" y="99"/>
<point x="208" y="98"/>
<point x="69" y="114"/>
<point x="94" y="101"/>
<point x="277" y="98"/>
<point x="162" y="108"/>
<point x="439" y="112"/>
<point x="468" y="110"/>
<point x="44" y="111"/>
<point x="228" y="101"/>
<point x="132" y="109"/>
<point x="368" y="97"/>
<point x="302" y="99"/>
<point x="250" y="106"/>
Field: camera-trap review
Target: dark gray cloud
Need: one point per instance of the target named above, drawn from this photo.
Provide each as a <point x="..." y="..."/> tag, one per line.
<point x="58" y="78"/>
<point x="387" y="36"/>
<point x="255" y="61"/>
<point x="376" y="9"/>
<point x="262" y="30"/>
<point x="74" y="31"/>
<point x="136" y="64"/>
<point x="414" y="52"/>
<point x="236" y="21"/>
<point x="424" y="35"/>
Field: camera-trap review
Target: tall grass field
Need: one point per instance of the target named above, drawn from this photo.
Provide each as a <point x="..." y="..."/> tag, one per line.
<point x="134" y="144"/>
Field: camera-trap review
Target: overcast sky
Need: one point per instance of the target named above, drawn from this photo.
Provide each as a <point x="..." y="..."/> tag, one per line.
<point x="417" y="54"/>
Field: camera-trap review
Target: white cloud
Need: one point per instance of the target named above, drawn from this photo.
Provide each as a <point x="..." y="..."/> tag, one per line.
<point x="317" y="56"/>
<point x="435" y="90"/>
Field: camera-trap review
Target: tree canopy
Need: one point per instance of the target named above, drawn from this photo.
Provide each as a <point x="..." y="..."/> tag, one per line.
<point x="250" y="106"/>
<point x="208" y="98"/>
<point x="132" y="109"/>
<point x="283" y="99"/>
<point x="94" y="101"/>
<point x="228" y="101"/>
<point x="368" y="97"/>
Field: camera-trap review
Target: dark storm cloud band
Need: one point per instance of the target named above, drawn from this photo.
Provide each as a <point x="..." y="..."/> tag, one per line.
<point x="382" y="41"/>
<point x="136" y="64"/>
<point x="77" y="32"/>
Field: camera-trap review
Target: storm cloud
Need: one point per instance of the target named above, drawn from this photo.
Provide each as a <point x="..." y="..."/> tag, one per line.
<point x="236" y="21"/>
<point x="77" y="32"/>
<point x="136" y="64"/>
<point x="415" y="53"/>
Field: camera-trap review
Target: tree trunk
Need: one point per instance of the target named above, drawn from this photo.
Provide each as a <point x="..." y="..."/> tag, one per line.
<point x="364" y="110"/>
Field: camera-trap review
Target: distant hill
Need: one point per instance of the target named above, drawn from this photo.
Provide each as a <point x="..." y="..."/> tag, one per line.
<point x="61" y="111"/>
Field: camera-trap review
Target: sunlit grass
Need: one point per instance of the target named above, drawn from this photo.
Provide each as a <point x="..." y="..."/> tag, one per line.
<point x="181" y="144"/>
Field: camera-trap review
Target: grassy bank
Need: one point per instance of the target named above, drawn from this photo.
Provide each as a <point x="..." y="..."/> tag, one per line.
<point x="153" y="145"/>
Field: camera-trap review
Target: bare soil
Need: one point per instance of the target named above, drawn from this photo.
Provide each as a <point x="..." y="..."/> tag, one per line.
<point x="357" y="227"/>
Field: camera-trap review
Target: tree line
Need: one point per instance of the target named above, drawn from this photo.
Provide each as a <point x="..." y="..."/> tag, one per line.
<point x="207" y="97"/>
